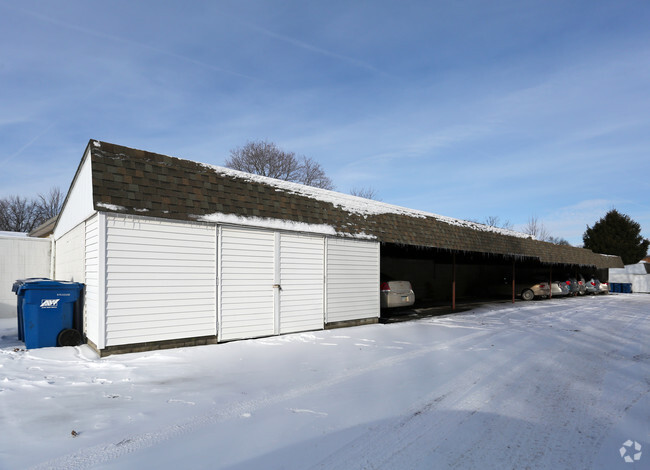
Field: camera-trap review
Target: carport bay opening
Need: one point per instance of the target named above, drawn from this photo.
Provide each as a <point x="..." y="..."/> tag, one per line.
<point x="436" y="274"/>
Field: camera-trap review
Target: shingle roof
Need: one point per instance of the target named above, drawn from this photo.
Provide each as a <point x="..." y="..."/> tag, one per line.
<point x="138" y="182"/>
<point x="45" y="229"/>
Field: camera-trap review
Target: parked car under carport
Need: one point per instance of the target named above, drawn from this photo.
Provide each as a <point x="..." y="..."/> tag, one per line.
<point x="559" y="288"/>
<point x="525" y="291"/>
<point x="592" y="286"/>
<point x="395" y="293"/>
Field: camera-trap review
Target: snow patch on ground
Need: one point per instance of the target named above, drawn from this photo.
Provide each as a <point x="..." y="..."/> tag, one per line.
<point x="561" y="383"/>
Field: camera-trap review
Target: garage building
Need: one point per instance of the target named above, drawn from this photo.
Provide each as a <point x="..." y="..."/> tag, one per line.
<point x="175" y="252"/>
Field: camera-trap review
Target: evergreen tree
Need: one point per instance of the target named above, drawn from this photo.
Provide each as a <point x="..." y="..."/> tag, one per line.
<point x="617" y="234"/>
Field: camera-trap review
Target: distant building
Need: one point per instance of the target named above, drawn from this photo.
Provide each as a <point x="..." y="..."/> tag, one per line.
<point x="638" y="275"/>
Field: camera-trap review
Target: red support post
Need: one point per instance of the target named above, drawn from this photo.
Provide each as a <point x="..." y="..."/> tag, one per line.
<point x="453" y="286"/>
<point x="513" y="281"/>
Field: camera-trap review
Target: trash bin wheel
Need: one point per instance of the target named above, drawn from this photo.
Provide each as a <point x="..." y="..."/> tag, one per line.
<point x="69" y="337"/>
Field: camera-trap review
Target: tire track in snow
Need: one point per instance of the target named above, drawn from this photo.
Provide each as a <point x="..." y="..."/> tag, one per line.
<point x="567" y="393"/>
<point x="106" y="452"/>
<point x="457" y="394"/>
<point x="383" y="445"/>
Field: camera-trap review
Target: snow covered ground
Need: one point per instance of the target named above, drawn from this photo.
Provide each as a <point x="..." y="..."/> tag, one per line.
<point x="554" y="384"/>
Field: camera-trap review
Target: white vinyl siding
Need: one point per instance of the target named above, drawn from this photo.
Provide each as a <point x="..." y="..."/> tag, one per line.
<point x="79" y="201"/>
<point x="352" y="280"/>
<point x="91" y="308"/>
<point x="247" y="279"/>
<point x="70" y="254"/>
<point x="20" y="258"/>
<point x="302" y="281"/>
<point x="160" y="280"/>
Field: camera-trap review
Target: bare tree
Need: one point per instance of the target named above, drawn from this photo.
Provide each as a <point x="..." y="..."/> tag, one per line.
<point x="312" y="174"/>
<point x="18" y="214"/>
<point x="49" y="205"/>
<point x="267" y="159"/>
<point x="537" y="229"/>
<point x="558" y="241"/>
<point x="365" y="192"/>
<point x="495" y="221"/>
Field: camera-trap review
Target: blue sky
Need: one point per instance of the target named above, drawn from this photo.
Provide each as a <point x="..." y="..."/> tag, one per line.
<point x="467" y="109"/>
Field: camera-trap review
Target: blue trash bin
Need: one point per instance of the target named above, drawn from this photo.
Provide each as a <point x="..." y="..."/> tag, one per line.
<point x="48" y="311"/>
<point x="19" y="303"/>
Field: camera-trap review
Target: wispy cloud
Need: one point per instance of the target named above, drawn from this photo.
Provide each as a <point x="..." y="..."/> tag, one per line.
<point x="28" y="144"/>
<point x="101" y="35"/>
<point x="571" y="221"/>
<point x="317" y="50"/>
<point x="500" y="112"/>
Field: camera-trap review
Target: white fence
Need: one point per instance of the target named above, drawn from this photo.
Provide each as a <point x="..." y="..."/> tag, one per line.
<point x="21" y="257"/>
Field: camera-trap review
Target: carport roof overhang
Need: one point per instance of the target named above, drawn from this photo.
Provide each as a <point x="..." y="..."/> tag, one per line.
<point x="430" y="233"/>
<point x="506" y="251"/>
<point x="445" y="254"/>
<point x="137" y="182"/>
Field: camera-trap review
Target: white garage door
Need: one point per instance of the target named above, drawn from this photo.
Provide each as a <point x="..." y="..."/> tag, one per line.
<point x="247" y="279"/>
<point x="271" y="283"/>
<point x="302" y="283"/>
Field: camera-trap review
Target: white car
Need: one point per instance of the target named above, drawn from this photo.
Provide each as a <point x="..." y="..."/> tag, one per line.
<point x="526" y="291"/>
<point x="559" y="289"/>
<point x="603" y="288"/>
<point x="395" y="294"/>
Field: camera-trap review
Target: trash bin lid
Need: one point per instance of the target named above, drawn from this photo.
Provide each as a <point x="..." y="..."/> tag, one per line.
<point x="20" y="282"/>
<point x="48" y="284"/>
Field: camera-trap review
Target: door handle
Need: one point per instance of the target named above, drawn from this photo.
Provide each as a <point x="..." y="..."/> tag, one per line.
<point x="277" y="286"/>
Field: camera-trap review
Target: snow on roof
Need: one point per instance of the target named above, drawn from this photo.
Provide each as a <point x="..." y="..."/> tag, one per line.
<point x="111" y="207"/>
<point x="131" y="181"/>
<point x="13" y="234"/>
<point x="277" y="224"/>
<point x="347" y="202"/>
<point x="355" y="204"/>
